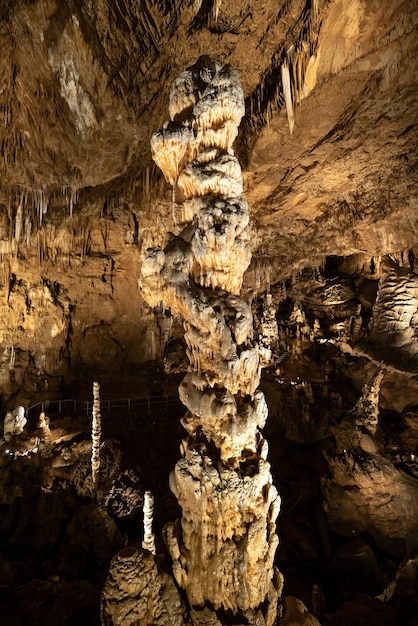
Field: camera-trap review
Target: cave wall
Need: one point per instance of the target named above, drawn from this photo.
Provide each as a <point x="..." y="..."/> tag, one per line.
<point x="83" y="88"/>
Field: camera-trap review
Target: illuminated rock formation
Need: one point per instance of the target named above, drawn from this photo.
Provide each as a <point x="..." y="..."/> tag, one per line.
<point x="224" y="554"/>
<point x="366" y="492"/>
<point x="367" y="407"/>
<point x="137" y="593"/>
<point x="14" y="422"/>
<point x="148" y="542"/>
<point x="96" y="433"/>
<point x="268" y="333"/>
<point x="395" y="314"/>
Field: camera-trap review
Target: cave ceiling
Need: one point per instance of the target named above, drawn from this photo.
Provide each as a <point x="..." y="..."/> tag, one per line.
<point x="329" y="165"/>
<point x="84" y="85"/>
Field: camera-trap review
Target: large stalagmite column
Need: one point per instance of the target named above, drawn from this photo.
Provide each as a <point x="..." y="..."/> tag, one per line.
<point x="224" y="554"/>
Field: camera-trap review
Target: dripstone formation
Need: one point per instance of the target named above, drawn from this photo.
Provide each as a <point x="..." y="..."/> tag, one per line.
<point x="223" y="550"/>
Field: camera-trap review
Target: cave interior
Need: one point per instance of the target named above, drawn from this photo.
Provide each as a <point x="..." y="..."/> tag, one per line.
<point x="328" y="151"/>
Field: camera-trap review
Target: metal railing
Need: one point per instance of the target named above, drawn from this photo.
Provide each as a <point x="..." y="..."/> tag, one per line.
<point x="53" y="406"/>
<point x="132" y="405"/>
<point x="126" y="406"/>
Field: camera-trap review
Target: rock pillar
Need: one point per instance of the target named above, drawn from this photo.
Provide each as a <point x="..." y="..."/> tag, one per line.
<point x="96" y="433"/>
<point x="223" y="555"/>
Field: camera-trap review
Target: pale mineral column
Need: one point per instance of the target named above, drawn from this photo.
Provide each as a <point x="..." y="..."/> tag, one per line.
<point x="224" y="556"/>
<point x="96" y="433"/>
<point x="148" y="542"/>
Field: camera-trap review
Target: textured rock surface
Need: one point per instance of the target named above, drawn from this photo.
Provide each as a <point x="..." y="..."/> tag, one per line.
<point x="366" y="492"/>
<point x="137" y="593"/>
<point x="395" y="314"/>
<point x="14" y="422"/>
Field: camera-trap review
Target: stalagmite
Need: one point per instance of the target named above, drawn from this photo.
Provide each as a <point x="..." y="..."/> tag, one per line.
<point x="136" y="593"/>
<point x="96" y="432"/>
<point x="367" y="407"/>
<point x="14" y="422"/>
<point x="43" y="423"/>
<point x="148" y="542"/>
<point x="223" y="556"/>
<point x="268" y="335"/>
<point x="395" y="312"/>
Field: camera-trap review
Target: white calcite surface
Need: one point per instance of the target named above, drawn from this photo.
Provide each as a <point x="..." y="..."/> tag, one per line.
<point x="148" y="542"/>
<point x="14" y="422"/>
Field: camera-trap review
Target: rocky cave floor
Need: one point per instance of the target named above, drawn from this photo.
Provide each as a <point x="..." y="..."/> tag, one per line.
<point x="57" y="537"/>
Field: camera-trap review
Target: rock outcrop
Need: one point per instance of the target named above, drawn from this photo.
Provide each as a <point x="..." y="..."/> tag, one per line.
<point x="137" y="593"/>
<point x="14" y="422"/>
<point x="365" y="491"/>
<point x="395" y="314"/>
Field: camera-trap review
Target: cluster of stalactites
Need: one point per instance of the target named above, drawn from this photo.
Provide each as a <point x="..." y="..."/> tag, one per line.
<point x="206" y="107"/>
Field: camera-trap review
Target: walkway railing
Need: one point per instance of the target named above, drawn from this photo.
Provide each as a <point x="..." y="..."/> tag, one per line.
<point x="128" y="406"/>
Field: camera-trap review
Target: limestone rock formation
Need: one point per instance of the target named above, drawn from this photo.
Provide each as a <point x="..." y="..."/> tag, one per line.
<point x="148" y="542"/>
<point x="96" y="432"/>
<point x="268" y="331"/>
<point x="137" y="593"/>
<point x="224" y="554"/>
<point x="377" y="497"/>
<point x="14" y="422"/>
<point x="327" y="147"/>
<point x="395" y="313"/>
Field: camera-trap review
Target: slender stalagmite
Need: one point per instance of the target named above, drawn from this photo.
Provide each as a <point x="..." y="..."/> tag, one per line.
<point x="96" y="433"/>
<point x="148" y="542"/>
<point x="223" y="554"/>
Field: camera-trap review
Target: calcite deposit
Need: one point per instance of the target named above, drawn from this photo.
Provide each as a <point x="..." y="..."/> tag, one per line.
<point x="328" y="150"/>
<point x="137" y="593"/>
<point x="366" y="492"/>
<point x="14" y="422"/>
<point x="223" y="556"/>
<point x="148" y="542"/>
<point x="96" y="432"/>
<point x="395" y="314"/>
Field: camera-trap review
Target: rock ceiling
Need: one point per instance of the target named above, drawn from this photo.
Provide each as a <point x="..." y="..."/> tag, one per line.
<point x="83" y="86"/>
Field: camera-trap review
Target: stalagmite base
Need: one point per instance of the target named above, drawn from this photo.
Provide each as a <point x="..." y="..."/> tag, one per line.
<point x="223" y="557"/>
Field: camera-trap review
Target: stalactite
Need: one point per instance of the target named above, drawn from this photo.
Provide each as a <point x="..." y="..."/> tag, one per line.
<point x="148" y="542"/>
<point x="284" y="82"/>
<point x="287" y="91"/>
<point x="19" y="220"/>
<point x="40" y="202"/>
<point x="96" y="433"/>
<point x="215" y="9"/>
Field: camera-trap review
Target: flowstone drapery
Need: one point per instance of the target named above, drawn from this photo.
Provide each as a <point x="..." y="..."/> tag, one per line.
<point x="223" y="555"/>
